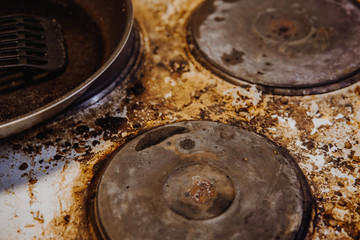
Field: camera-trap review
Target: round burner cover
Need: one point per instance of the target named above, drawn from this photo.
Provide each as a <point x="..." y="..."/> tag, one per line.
<point x="279" y="43"/>
<point x="202" y="180"/>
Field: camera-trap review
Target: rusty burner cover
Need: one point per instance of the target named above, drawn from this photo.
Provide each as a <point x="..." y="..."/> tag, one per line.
<point x="278" y="43"/>
<point x="202" y="180"/>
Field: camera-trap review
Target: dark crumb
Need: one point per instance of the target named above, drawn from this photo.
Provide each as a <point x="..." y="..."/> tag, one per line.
<point x="338" y="193"/>
<point x="23" y="166"/>
<point x="82" y="129"/>
<point x="310" y="145"/>
<point x="348" y="145"/>
<point x="67" y="218"/>
<point x="342" y="202"/>
<point x="95" y="142"/>
<point x="33" y="180"/>
<point x="284" y="100"/>
<point x="135" y="88"/>
<point x="358" y="210"/>
<point x="17" y="147"/>
<point x="57" y="157"/>
<point x="357" y="182"/>
<point x="112" y="124"/>
<point x="204" y="114"/>
<point x="357" y="90"/>
<point x="29" y="149"/>
<point x="45" y="134"/>
<point x="179" y="65"/>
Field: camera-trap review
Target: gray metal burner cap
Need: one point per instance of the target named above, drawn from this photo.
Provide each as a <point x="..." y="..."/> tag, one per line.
<point x="202" y="180"/>
<point x="278" y="43"/>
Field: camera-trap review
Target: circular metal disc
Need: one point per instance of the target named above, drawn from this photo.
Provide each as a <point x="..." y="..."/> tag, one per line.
<point x="279" y="43"/>
<point x="202" y="180"/>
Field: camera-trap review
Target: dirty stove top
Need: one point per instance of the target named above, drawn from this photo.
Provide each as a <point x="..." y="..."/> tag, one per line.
<point x="184" y="108"/>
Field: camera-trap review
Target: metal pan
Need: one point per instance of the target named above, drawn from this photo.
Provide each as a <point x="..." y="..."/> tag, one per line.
<point x="96" y="33"/>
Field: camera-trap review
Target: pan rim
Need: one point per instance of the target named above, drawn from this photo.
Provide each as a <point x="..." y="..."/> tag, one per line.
<point x="20" y="123"/>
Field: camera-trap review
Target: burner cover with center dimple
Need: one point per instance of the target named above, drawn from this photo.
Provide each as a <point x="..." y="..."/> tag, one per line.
<point x="279" y="44"/>
<point x="201" y="180"/>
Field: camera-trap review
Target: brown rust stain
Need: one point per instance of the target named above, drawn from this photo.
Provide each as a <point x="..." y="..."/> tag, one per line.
<point x="283" y="27"/>
<point x="73" y="223"/>
<point x="31" y="182"/>
<point x="202" y="192"/>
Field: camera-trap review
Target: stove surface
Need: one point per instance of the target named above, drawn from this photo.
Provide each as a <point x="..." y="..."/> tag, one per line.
<point x="48" y="173"/>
